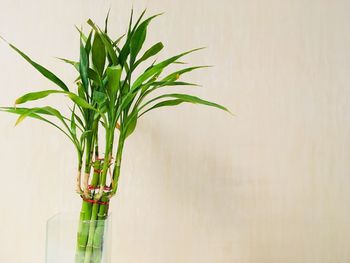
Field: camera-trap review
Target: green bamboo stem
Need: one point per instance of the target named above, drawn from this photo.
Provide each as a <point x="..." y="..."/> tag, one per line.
<point x="85" y="216"/>
<point x="116" y="170"/>
<point x="78" y="179"/>
<point x="108" y="155"/>
<point x="99" y="232"/>
<point x="91" y="226"/>
<point x="83" y="231"/>
<point x="95" y="178"/>
<point x="88" y="164"/>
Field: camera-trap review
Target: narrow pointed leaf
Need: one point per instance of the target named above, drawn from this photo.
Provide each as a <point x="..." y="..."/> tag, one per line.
<point x="189" y="99"/>
<point x="82" y="35"/>
<point x="172" y="83"/>
<point x="138" y="38"/>
<point x="175" y="75"/>
<point x="80" y="101"/>
<point x="125" y="51"/>
<point x="115" y="43"/>
<point x="100" y="97"/>
<point x="81" y="91"/>
<point x="131" y="124"/>
<point x="75" y="64"/>
<point x="113" y="76"/>
<point x="45" y="72"/>
<point x="158" y="68"/>
<point x="42" y="110"/>
<point x="21" y="111"/>
<point x="36" y="95"/>
<point x="98" y="54"/>
<point x="152" y="51"/>
<point x="84" y="66"/>
<point x="73" y="125"/>
<point x="108" y="45"/>
<point x="88" y="43"/>
<point x="165" y="103"/>
<point x="106" y="21"/>
<point x="93" y="75"/>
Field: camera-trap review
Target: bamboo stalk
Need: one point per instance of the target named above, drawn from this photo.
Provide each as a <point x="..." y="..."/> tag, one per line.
<point x="100" y="230"/>
<point x="92" y="226"/>
<point x="78" y="183"/>
<point x="86" y="185"/>
<point x="116" y="170"/>
<point x="83" y="231"/>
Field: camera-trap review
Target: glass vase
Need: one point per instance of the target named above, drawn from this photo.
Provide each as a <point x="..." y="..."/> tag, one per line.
<point x="62" y="244"/>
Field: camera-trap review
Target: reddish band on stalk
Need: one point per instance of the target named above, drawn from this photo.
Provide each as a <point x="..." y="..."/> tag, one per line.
<point x="106" y="188"/>
<point x="94" y="201"/>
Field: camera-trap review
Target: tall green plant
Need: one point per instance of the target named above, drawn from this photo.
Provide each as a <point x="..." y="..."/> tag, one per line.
<point x="107" y="97"/>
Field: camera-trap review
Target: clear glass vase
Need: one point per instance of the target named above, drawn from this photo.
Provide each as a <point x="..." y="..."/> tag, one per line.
<point x="62" y="239"/>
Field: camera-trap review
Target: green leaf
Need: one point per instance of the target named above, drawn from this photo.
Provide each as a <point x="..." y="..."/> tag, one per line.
<point x="172" y="83"/>
<point x="125" y="51"/>
<point x="82" y="35"/>
<point x="106" y="21"/>
<point x="138" y="38"/>
<point x="131" y="17"/>
<point x="81" y="91"/>
<point x="47" y="110"/>
<point x="169" y="80"/>
<point x="77" y="118"/>
<point x="152" y="51"/>
<point x="165" y="103"/>
<point x="75" y="64"/>
<point x="113" y="84"/>
<point x="84" y="66"/>
<point x="126" y="101"/>
<point x="36" y="96"/>
<point x="108" y="45"/>
<point x="98" y="54"/>
<point x="45" y="72"/>
<point x="131" y="124"/>
<point x="34" y="113"/>
<point x="186" y="98"/>
<point x="115" y="43"/>
<point x="131" y="31"/>
<point x="88" y="43"/>
<point x="80" y="101"/>
<point x="175" y="75"/>
<point x="42" y="94"/>
<point x="21" y="111"/>
<point x="157" y="68"/>
<point x="93" y="75"/>
<point x="23" y="116"/>
<point x="100" y="97"/>
<point x="73" y="126"/>
<point x="84" y="135"/>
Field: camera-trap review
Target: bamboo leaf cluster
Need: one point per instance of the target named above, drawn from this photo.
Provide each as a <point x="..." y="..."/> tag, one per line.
<point x="106" y="96"/>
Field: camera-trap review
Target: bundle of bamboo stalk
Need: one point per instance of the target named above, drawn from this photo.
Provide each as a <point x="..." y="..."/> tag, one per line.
<point x="108" y="98"/>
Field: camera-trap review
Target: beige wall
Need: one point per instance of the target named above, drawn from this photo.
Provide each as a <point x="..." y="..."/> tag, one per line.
<point x="270" y="185"/>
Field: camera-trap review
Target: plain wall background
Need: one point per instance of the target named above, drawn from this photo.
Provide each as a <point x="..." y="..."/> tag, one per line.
<point x="270" y="185"/>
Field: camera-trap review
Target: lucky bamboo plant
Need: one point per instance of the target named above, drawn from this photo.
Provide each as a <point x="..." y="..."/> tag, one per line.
<point x="107" y="96"/>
